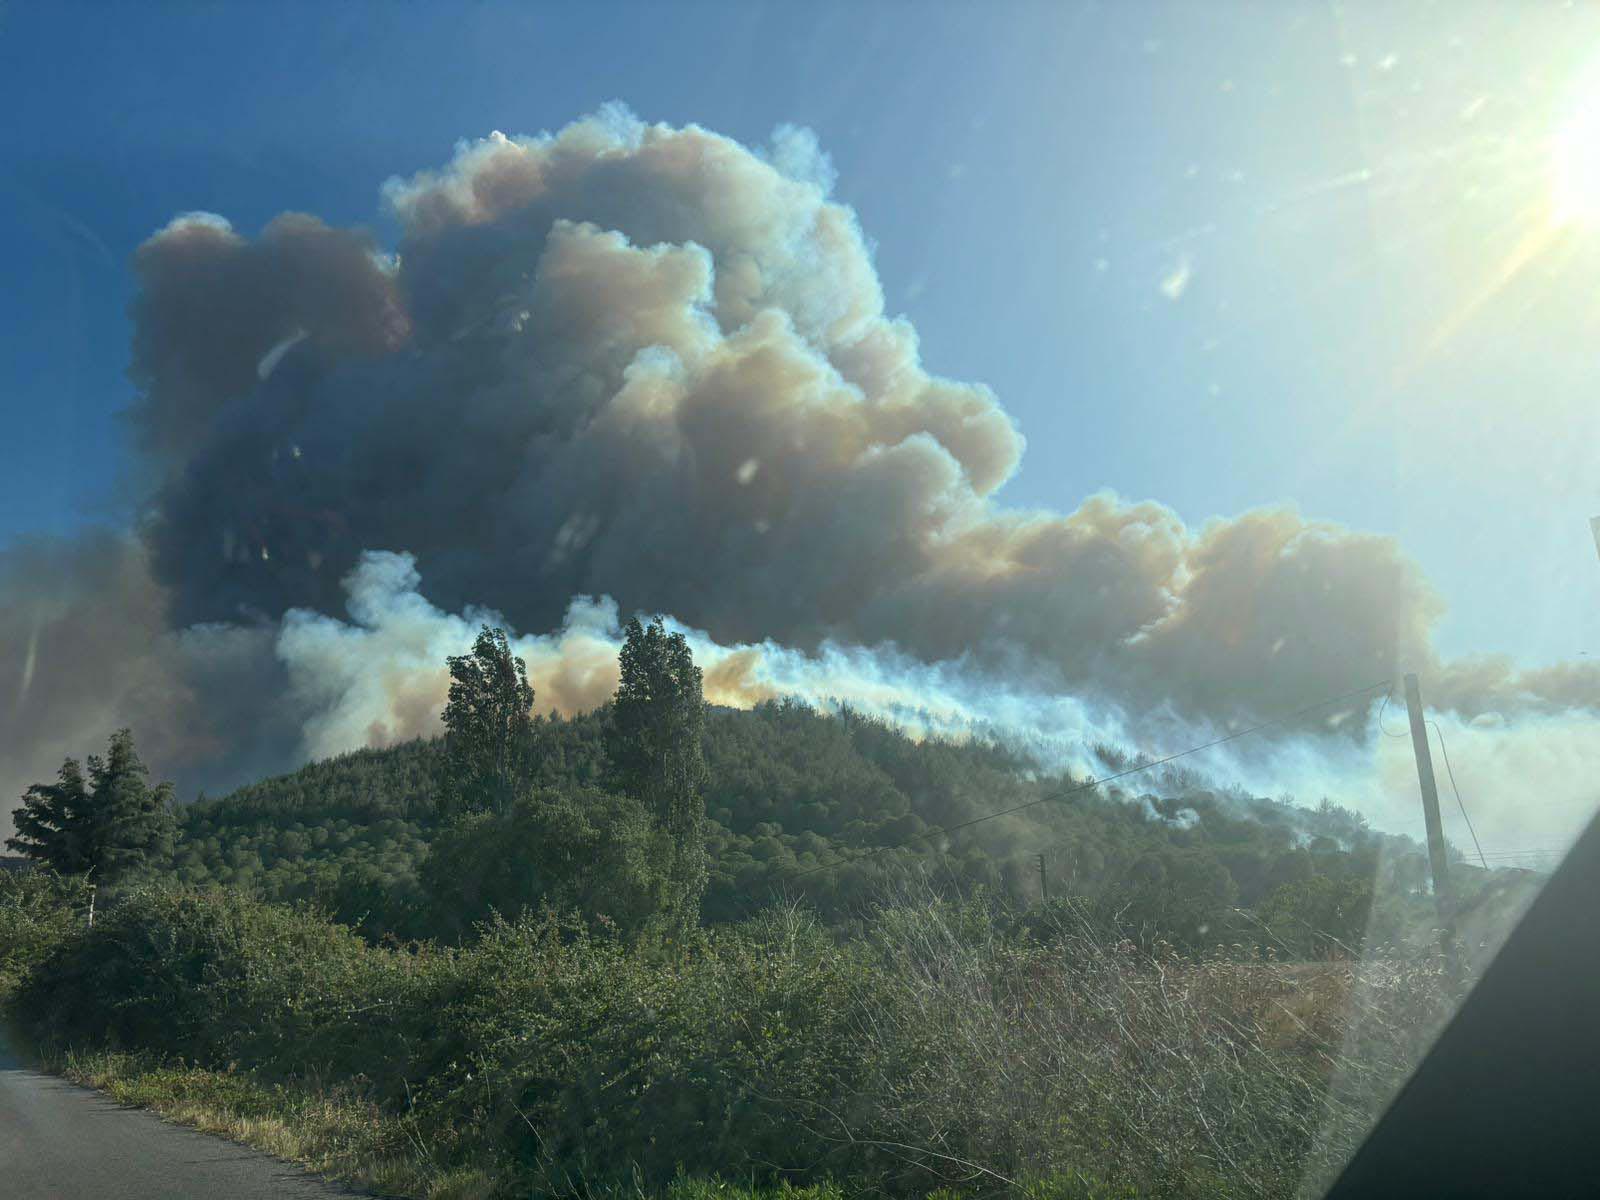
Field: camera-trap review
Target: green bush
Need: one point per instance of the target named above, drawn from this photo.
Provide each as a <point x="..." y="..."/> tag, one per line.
<point x="38" y="911"/>
<point x="219" y="978"/>
<point x="586" y="851"/>
<point x="583" y="1058"/>
<point x="595" y="1062"/>
<point x="951" y="1044"/>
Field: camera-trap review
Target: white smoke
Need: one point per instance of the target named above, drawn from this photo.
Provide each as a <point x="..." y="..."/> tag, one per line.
<point x="379" y="677"/>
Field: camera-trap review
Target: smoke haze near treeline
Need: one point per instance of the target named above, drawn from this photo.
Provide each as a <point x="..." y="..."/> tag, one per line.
<point x="633" y="368"/>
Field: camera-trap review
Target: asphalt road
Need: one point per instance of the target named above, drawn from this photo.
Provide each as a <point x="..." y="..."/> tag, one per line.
<point x="59" y="1141"/>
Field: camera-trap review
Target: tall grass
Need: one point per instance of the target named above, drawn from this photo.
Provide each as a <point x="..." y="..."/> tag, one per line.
<point x="1069" y="1059"/>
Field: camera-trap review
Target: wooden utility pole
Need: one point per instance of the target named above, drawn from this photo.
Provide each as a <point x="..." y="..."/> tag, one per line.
<point x="1430" y="811"/>
<point x="1044" y="884"/>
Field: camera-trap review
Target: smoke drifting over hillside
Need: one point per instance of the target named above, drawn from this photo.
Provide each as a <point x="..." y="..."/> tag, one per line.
<point x="652" y="365"/>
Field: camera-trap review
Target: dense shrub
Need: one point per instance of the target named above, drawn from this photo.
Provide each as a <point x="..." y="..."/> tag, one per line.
<point x="950" y="1044"/>
<point x="584" y="1058"/>
<point x="38" y="911"/>
<point x="594" y="1060"/>
<point x="589" y="852"/>
<point x="218" y="978"/>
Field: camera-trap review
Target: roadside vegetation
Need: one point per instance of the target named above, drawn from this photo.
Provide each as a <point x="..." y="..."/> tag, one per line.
<point x="662" y="951"/>
<point x="946" y="1045"/>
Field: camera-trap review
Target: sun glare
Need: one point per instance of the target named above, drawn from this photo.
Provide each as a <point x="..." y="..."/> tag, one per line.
<point x="1575" y="168"/>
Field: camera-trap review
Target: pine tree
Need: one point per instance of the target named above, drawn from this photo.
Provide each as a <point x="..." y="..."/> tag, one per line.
<point x="117" y="824"/>
<point x="658" y="721"/>
<point x="131" y="824"/>
<point x="487" y="727"/>
<point x="53" y="823"/>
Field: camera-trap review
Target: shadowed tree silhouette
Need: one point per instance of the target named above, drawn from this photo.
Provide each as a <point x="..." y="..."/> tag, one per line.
<point x="658" y="720"/>
<point x="116" y="825"/>
<point x="487" y="727"/>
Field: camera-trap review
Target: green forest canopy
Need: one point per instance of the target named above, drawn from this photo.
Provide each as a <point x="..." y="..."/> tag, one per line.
<point x="799" y="804"/>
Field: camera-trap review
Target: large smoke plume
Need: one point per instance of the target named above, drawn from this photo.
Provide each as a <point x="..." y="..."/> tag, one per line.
<point x="651" y="365"/>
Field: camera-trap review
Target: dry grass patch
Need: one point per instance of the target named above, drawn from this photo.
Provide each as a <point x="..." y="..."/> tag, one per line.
<point x="328" y="1131"/>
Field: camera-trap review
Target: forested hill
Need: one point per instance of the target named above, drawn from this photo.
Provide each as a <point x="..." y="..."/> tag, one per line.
<point x="790" y="791"/>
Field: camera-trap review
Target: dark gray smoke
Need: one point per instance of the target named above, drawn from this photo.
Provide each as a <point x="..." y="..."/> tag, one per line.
<point x="651" y="364"/>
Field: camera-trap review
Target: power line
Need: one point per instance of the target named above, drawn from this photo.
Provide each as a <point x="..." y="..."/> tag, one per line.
<point x="1385" y="708"/>
<point x="1445" y="750"/>
<point x="1525" y="859"/>
<point x="1094" y="783"/>
<point x="1526" y="850"/>
<point x="1520" y="860"/>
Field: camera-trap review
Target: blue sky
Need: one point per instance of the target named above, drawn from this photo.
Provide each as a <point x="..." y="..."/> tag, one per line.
<point x="1218" y="256"/>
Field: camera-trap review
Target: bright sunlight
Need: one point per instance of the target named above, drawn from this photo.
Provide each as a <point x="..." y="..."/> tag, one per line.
<point x="1575" y="165"/>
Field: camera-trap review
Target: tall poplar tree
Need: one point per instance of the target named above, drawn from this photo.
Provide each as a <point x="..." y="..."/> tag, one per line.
<point x="488" y="723"/>
<point x="658" y="719"/>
